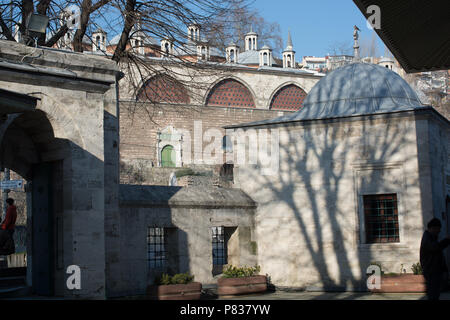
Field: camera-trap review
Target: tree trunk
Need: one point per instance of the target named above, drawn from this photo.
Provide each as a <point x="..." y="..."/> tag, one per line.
<point x="129" y="22"/>
<point x="84" y="20"/>
<point x="27" y="9"/>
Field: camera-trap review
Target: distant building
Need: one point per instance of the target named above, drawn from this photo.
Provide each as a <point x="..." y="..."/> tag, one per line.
<point x="334" y="62"/>
<point x="314" y="63"/>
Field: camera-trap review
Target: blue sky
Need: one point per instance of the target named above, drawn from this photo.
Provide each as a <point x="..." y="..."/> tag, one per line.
<point x="317" y="24"/>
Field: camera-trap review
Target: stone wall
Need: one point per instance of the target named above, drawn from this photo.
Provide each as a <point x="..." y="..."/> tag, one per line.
<point x="75" y="128"/>
<point x="139" y="142"/>
<point x="310" y="219"/>
<point x="140" y="122"/>
<point x="187" y="214"/>
<point x="437" y="194"/>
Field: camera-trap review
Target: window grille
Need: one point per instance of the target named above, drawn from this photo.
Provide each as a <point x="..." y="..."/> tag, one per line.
<point x="381" y="218"/>
<point x="156" y="241"/>
<point x="219" y="246"/>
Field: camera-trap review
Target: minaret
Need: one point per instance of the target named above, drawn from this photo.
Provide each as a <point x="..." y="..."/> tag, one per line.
<point x="356" y="44"/>
<point x="251" y="40"/>
<point x="289" y="54"/>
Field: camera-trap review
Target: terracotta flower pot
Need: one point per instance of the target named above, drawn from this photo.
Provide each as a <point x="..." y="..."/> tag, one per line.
<point x="245" y="285"/>
<point x="190" y="291"/>
<point x="402" y="283"/>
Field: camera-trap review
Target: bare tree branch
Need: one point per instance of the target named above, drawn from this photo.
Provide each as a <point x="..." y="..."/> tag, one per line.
<point x="130" y="19"/>
<point x="58" y="35"/>
<point x="5" y="30"/>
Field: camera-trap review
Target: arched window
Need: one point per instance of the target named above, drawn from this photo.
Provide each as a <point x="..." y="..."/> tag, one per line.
<point x="167" y="48"/>
<point x="230" y="93"/>
<point x="162" y="88"/>
<point x="168" y="157"/>
<point x="265" y="59"/>
<point x="289" y="98"/>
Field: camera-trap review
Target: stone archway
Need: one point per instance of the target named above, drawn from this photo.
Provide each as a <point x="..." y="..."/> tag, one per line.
<point x="29" y="148"/>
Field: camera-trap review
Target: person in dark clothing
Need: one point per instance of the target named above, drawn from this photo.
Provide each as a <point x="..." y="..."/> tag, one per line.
<point x="7" y="228"/>
<point x="432" y="258"/>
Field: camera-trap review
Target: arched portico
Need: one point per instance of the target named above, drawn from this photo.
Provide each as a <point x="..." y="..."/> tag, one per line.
<point x="29" y="147"/>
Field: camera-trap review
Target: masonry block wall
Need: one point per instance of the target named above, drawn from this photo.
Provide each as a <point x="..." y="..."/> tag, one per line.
<point x="187" y="216"/>
<point x="72" y="133"/>
<point x="313" y="209"/>
<point x="199" y="105"/>
<point x="138" y="130"/>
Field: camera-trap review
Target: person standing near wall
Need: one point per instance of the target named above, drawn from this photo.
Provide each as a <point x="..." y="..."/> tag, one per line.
<point x="432" y="258"/>
<point x="7" y="228"/>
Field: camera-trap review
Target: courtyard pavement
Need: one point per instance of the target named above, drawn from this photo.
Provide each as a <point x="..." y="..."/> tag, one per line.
<point x="305" y="295"/>
<point x="282" y="295"/>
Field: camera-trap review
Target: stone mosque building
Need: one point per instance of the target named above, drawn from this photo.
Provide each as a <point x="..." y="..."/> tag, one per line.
<point x="361" y="166"/>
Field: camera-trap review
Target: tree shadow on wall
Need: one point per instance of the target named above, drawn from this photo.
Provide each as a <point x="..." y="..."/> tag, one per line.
<point x="320" y="163"/>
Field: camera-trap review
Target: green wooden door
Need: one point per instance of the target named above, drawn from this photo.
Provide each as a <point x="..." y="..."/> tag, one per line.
<point x="168" y="157"/>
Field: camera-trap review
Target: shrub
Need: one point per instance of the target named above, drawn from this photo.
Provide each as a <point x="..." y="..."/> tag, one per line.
<point x="164" y="280"/>
<point x="182" y="278"/>
<point x="416" y="268"/>
<point x="240" y="272"/>
<point x="179" y="278"/>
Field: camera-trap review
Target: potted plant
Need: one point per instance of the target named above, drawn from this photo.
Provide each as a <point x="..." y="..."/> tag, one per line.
<point x="241" y="280"/>
<point x="180" y="286"/>
<point x="402" y="282"/>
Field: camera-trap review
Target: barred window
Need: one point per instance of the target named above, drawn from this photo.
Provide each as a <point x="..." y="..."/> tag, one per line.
<point x="156" y="240"/>
<point x="381" y="218"/>
<point x="219" y="246"/>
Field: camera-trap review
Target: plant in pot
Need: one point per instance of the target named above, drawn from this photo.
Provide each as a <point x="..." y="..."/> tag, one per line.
<point x="402" y="282"/>
<point x="180" y="286"/>
<point x="241" y="280"/>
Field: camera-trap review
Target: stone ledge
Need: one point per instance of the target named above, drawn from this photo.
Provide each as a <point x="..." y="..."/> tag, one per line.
<point x="58" y="62"/>
<point x="201" y="196"/>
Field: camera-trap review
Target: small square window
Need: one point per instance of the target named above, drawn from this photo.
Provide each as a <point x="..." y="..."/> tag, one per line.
<point x="381" y="218"/>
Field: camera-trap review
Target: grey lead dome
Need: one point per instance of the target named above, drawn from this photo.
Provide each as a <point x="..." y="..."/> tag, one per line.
<point x="357" y="89"/>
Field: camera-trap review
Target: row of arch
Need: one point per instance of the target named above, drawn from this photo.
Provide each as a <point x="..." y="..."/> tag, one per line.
<point x="228" y="92"/>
